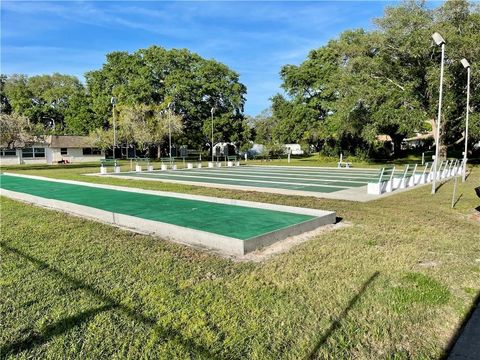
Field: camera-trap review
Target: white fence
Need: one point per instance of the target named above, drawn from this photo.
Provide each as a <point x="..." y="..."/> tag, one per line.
<point x="391" y="178"/>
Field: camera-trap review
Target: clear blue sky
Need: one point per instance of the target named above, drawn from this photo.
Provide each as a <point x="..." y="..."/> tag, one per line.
<point x="253" y="38"/>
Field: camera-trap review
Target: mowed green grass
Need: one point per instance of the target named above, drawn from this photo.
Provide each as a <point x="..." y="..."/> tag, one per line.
<point x="395" y="284"/>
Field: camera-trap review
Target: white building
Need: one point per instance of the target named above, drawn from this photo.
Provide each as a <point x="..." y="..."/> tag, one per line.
<point x="294" y="149"/>
<point x="55" y="148"/>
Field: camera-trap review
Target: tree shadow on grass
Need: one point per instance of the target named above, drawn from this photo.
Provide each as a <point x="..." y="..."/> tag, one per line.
<point x="68" y="323"/>
<point x="52" y="330"/>
<point x="337" y="323"/>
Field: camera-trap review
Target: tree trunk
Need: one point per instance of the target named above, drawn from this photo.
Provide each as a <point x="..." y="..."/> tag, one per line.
<point x="397" y="144"/>
<point x="443" y="147"/>
<point x="159" y="151"/>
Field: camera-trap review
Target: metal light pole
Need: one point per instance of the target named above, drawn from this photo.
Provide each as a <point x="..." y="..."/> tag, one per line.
<point x="440" y="42"/>
<point x="211" y="111"/>
<point x="169" y="134"/>
<point x="466" y="65"/>
<point x="113" y="100"/>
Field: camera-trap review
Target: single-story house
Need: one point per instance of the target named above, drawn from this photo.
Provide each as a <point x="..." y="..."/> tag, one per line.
<point x="51" y="150"/>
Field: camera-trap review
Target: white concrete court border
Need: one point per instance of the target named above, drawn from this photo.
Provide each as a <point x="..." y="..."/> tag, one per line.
<point x="180" y="234"/>
<point x="240" y="174"/>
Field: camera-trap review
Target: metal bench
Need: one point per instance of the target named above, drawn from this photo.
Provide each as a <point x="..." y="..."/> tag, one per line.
<point x="345" y="164"/>
<point x="140" y="161"/>
<point x="104" y="163"/>
<point x="232" y="161"/>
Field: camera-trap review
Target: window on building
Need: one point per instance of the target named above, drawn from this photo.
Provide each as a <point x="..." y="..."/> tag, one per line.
<point x="33" y="153"/>
<point x="39" y="152"/>
<point x="92" y="151"/>
<point x="27" y="152"/>
<point x="8" y="152"/>
<point x="63" y="151"/>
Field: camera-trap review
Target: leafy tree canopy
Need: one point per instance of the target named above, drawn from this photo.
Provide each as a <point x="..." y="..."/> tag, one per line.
<point x="179" y="79"/>
<point x="57" y="101"/>
<point x="384" y="81"/>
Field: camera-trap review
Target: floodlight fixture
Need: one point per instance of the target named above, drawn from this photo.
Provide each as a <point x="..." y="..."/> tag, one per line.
<point x="465" y="63"/>
<point x="439" y="40"/>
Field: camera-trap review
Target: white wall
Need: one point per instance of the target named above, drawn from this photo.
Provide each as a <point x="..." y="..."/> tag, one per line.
<point x="11" y="160"/>
<point x="53" y="156"/>
<point x="34" y="161"/>
<point x="75" y="155"/>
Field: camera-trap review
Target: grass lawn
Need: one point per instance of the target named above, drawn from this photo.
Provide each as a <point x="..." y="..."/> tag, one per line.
<point x="395" y="284"/>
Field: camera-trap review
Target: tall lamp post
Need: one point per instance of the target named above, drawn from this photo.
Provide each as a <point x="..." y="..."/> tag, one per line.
<point x="170" y="133"/>
<point x="113" y="100"/>
<point x="212" y="111"/>
<point x="440" y="42"/>
<point x="466" y="65"/>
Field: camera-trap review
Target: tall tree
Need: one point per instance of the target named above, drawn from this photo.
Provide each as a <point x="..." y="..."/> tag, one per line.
<point x="156" y="76"/>
<point x="384" y="81"/>
<point x="57" y="101"/>
<point x="144" y="125"/>
<point x="5" y="107"/>
<point x="18" y="131"/>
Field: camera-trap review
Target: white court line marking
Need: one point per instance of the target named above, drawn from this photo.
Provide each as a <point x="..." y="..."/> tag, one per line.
<point x="335" y="168"/>
<point x="278" y="173"/>
<point x="302" y="168"/>
<point x="237" y="170"/>
<point x="240" y="180"/>
<point x="311" y="170"/>
<point x="213" y="172"/>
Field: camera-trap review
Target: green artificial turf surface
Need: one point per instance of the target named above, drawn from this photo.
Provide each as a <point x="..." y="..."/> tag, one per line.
<point x="321" y="180"/>
<point x="234" y="221"/>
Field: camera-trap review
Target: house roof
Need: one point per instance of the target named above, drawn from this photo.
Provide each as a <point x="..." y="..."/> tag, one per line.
<point x="383" y="137"/>
<point x="421" y="137"/>
<point x="56" y="141"/>
<point x="62" y="141"/>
